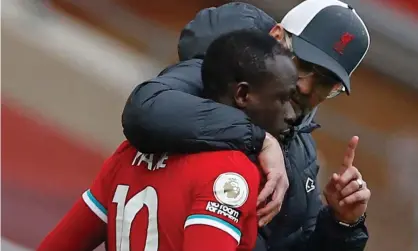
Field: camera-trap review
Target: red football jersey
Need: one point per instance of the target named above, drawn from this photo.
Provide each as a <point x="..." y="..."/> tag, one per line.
<point x="204" y="201"/>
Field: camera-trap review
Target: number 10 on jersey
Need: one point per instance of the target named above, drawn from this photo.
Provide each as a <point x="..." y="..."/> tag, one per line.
<point x="125" y="214"/>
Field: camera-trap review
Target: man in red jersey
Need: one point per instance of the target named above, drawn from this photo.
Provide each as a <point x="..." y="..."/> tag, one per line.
<point x="149" y="202"/>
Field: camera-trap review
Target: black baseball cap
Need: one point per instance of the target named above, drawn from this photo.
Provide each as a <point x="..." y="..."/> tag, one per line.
<point x="328" y="33"/>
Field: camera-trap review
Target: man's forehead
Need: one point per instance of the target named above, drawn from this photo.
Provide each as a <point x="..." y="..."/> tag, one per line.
<point x="283" y="68"/>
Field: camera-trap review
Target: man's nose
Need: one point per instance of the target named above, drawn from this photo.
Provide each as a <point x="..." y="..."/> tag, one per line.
<point x="289" y="115"/>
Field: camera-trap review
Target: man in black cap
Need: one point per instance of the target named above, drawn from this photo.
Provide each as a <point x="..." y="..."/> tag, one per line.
<point x="328" y="40"/>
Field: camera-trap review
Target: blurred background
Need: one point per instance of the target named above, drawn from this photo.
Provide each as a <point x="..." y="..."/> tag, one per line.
<point x="69" y="65"/>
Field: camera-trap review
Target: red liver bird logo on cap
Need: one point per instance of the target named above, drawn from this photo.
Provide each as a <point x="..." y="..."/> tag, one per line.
<point x="345" y="39"/>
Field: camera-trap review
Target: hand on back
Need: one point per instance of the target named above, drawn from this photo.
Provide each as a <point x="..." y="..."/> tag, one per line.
<point x="273" y="166"/>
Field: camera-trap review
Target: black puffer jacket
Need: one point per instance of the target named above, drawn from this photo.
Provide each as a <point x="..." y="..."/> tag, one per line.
<point x="166" y="114"/>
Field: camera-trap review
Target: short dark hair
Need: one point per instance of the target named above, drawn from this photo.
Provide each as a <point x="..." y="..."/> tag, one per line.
<point x="236" y="57"/>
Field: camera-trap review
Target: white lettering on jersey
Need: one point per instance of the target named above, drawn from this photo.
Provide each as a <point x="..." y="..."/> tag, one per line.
<point x="161" y="162"/>
<point x="223" y="210"/>
<point x="150" y="159"/>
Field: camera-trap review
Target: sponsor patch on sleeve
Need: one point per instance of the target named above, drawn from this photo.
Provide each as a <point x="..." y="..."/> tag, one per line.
<point x="223" y="210"/>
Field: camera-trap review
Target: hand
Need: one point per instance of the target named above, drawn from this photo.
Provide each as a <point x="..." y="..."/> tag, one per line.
<point x="346" y="192"/>
<point x="272" y="164"/>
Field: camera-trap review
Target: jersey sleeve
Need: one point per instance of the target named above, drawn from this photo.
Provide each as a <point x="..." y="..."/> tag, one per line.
<point x="97" y="196"/>
<point x="79" y="230"/>
<point x="223" y="215"/>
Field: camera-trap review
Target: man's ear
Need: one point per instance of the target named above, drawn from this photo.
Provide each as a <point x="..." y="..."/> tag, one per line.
<point x="277" y="32"/>
<point x="241" y="95"/>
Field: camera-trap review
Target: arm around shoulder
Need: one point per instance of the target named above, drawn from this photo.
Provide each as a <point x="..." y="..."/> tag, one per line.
<point x="166" y="115"/>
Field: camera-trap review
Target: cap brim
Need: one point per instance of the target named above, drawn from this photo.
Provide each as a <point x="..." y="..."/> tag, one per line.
<point x="307" y="52"/>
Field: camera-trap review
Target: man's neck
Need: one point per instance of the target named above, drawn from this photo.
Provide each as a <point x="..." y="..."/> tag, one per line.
<point x="225" y="100"/>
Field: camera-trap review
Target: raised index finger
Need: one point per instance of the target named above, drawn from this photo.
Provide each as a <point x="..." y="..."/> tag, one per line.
<point x="350" y="152"/>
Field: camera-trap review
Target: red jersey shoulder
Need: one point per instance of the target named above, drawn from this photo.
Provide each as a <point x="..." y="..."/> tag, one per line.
<point x="215" y="163"/>
<point x="97" y="197"/>
<point x="226" y="178"/>
<point x="122" y="155"/>
<point x="101" y="184"/>
<point x="124" y="146"/>
<point x="225" y="193"/>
